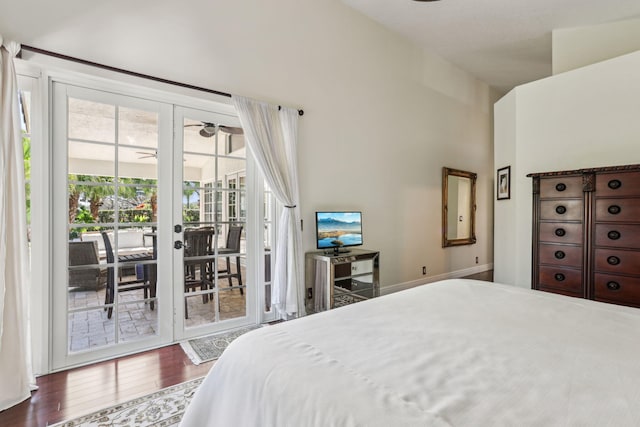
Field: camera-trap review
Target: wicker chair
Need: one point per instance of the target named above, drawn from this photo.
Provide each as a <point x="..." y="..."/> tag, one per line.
<point x="85" y="254"/>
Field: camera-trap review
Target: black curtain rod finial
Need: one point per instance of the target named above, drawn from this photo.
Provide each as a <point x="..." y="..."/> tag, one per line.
<point x="300" y="112"/>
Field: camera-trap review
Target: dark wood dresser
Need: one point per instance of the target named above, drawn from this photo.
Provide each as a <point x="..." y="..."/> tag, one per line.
<point x="586" y="233"/>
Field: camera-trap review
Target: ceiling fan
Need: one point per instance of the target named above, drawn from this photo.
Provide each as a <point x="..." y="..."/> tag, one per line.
<point x="147" y="154"/>
<point x="209" y="129"/>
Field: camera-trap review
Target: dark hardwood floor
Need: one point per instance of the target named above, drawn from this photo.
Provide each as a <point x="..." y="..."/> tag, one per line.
<point x="69" y="394"/>
<point x="487" y="276"/>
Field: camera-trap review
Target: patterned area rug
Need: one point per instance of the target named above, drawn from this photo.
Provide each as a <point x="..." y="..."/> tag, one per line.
<point x="208" y="348"/>
<point x="163" y="408"/>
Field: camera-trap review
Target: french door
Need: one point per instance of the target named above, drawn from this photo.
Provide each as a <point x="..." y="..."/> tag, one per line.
<point x="210" y="224"/>
<point x="154" y="238"/>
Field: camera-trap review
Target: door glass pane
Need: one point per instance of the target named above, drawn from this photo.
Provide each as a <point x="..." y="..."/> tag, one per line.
<point x="231" y="167"/>
<point x="25" y="126"/>
<point x="191" y="191"/>
<point x="213" y="205"/>
<point x="88" y="158"/>
<point x="86" y="283"/>
<point x="232" y="304"/>
<point x="91" y="121"/>
<point x="136" y="319"/>
<point x="138" y="128"/>
<point x="112" y="187"/>
<point x="199" y="137"/>
<point x="268" y="241"/>
<point x="137" y="163"/>
<point x="88" y="331"/>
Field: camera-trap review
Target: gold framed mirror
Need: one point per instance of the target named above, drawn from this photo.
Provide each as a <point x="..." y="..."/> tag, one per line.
<point x="458" y="207"/>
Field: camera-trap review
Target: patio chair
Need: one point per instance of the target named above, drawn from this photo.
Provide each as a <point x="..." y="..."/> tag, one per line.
<point x="123" y="285"/>
<point x="232" y="248"/>
<point x="198" y="244"/>
<point x="85" y="253"/>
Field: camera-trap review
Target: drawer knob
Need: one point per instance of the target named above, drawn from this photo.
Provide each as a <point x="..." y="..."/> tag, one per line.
<point x="561" y="209"/>
<point x="614" y="209"/>
<point x="560" y="232"/>
<point x="613" y="286"/>
<point x="613" y="235"/>
<point x="614" y="184"/>
<point x="613" y="260"/>
<point x="561" y="187"/>
<point x="559" y="277"/>
<point x="559" y="254"/>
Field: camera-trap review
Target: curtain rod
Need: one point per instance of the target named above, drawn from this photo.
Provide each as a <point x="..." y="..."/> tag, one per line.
<point x="123" y="71"/>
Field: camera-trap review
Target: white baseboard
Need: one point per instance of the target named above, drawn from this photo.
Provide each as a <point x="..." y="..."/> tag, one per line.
<point x="430" y="279"/>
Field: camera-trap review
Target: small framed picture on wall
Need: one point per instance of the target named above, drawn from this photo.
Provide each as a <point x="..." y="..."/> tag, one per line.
<point x="504" y="183"/>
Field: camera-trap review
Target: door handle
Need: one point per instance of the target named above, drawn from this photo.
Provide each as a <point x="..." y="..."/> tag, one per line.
<point x="177" y="244"/>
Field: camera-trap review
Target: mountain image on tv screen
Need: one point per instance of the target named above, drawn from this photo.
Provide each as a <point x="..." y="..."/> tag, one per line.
<point x="336" y="229"/>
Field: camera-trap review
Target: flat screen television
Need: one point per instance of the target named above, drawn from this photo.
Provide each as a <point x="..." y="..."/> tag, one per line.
<point x="337" y="230"/>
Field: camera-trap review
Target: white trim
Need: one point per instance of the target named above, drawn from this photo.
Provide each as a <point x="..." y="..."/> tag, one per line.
<point x="24" y="68"/>
<point x="385" y="290"/>
<point x="29" y="80"/>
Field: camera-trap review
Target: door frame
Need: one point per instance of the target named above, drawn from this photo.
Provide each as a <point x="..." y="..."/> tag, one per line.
<point x="115" y="84"/>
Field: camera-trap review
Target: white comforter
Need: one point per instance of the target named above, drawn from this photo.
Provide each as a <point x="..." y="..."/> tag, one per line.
<point x="452" y="353"/>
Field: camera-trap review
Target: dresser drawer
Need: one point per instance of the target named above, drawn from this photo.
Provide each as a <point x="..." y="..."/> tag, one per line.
<point x="617" y="235"/>
<point x="618" y="210"/>
<point x="563" y="255"/>
<point x="617" y="261"/>
<point x="566" y="279"/>
<point x="617" y="289"/>
<point x="561" y="210"/>
<point x="565" y="187"/>
<point x="560" y="291"/>
<point x="561" y="232"/>
<point x="618" y="184"/>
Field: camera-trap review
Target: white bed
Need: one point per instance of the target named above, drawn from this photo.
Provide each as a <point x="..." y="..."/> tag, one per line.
<point x="452" y="353"/>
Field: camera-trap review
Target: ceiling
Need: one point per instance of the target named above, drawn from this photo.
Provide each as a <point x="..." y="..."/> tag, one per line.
<point x="502" y="42"/>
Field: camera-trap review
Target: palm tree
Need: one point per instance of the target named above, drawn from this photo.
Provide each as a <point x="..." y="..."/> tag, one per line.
<point x="95" y="200"/>
<point x="95" y="193"/>
<point x="150" y="189"/>
<point x="75" y="191"/>
<point x="188" y="191"/>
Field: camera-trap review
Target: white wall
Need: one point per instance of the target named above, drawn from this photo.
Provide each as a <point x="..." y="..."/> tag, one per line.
<point x="505" y="210"/>
<point x="576" y="47"/>
<point x="587" y="117"/>
<point x="382" y="117"/>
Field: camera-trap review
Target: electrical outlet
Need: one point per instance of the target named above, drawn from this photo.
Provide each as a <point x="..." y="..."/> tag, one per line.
<point x="424" y="270"/>
<point x="476" y="260"/>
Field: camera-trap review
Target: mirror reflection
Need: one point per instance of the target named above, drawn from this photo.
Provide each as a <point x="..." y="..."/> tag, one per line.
<point x="458" y="207"/>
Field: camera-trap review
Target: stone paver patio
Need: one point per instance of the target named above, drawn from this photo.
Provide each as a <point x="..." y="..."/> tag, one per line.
<point x="92" y="328"/>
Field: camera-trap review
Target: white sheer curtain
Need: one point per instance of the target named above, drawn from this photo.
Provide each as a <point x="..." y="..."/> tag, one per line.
<point x="271" y="135"/>
<point x="16" y="377"/>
